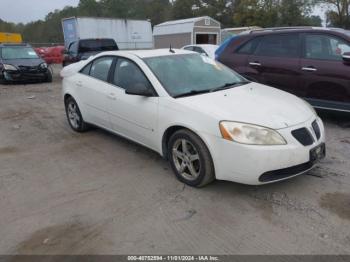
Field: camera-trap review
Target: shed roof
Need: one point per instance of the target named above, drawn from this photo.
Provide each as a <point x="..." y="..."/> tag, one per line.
<point x="178" y="26"/>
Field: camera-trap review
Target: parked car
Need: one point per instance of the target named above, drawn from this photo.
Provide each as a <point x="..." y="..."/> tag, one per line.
<point x="207" y="50"/>
<point x="84" y="48"/>
<point x="312" y="63"/>
<point x="19" y="62"/>
<point x="206" y="119"/>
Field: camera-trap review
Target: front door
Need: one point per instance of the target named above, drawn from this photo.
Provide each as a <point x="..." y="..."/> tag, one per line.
<point x="133" y="116"/>
<point x="325" y="77"/>
<point x="276" y="62"/>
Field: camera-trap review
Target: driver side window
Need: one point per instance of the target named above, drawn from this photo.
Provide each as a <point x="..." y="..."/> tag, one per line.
<point x="127" y="74"/>
<point x="325" y="47"/>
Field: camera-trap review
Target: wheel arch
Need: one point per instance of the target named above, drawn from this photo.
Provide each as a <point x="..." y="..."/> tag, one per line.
<point x="171" y="130"/>
<point x="66" y="96"/>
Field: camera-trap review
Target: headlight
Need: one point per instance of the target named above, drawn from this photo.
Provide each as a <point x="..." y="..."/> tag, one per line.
<point x="311" y="107"/>
<point x="250" y="134"/>
<point x="10" y="67"/>
<point x="43" y="65"/>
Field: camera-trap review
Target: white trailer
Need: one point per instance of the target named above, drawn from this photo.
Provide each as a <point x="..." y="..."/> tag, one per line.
<point x="129" y="34"/>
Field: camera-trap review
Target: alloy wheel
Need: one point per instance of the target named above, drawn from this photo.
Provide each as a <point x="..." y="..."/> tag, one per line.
<point x="73" y="115"/>
<point x="186" y="159"/>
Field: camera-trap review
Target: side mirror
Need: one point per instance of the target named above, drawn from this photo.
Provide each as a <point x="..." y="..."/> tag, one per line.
<point x="139" y="89"/>
<point x="346" y="58"/>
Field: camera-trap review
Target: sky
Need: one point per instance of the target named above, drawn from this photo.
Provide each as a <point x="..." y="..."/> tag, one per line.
<point x="30" y="10"/>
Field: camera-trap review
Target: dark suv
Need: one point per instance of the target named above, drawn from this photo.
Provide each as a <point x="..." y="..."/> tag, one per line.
<point x="84" y="48"/>
<point x="312" y="63"/>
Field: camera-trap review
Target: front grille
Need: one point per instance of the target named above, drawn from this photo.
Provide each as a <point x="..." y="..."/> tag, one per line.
<point x="303" y="136"/>
<point x="29" y="69"/>
<point x="316" y="129"/>
<point x="285" y="173"/>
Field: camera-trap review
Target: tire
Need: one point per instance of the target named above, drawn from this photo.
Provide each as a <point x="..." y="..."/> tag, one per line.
<point x="2" y="80"/>
<point x="48" y="76"/>
<point x="195" y="159"/>
<point x="74" y="117"/>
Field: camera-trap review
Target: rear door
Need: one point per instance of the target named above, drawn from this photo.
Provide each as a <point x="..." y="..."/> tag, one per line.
<point x="276" y="62"/>
<point x="325" y="77"/>
<point x="94" y="90"/>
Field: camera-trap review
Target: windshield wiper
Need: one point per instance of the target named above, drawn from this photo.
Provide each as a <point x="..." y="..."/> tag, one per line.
<point x="229" y="86"/>
<point x="192" y="93"/>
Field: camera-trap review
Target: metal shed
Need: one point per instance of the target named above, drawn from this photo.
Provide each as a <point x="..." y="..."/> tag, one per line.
<point x="178" y="33"/>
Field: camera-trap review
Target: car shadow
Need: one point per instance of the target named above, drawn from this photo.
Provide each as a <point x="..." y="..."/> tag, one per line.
<point x="341" y="119"/>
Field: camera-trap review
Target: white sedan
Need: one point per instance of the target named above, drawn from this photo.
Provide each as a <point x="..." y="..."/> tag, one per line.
<point x="207" y="50"/>
<point x="207" y="120"/>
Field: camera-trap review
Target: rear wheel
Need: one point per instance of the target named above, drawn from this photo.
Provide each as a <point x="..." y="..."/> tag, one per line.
<point x="190" y="159"/>
<point x="75" y="119"/>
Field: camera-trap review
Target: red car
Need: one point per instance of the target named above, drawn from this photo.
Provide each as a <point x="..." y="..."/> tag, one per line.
<point x="312" y="63"/>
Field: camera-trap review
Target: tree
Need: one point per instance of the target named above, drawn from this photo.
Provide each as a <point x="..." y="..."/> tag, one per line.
<point x="271" y="13"/>
<point x="338" y="12"/>
<point x="158" y="11"/>
<point x="185" y="8"/>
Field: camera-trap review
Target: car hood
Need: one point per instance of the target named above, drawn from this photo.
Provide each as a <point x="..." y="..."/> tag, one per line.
<point x="23" y="62"/>
<point x="252" y="103"/>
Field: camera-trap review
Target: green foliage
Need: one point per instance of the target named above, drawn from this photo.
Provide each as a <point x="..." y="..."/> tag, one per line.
<point x="338" y="13"/>
<point x="272" y="13"/>
<point x="264" y="13"/>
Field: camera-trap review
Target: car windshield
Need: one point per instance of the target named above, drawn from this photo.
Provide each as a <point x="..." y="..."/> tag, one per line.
<point x="192" y="74"/>
<point x="18" y="52"/>
<point x="94" y="45"/>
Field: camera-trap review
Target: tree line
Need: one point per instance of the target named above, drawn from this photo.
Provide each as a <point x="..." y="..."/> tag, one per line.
<point x="231" y="13"/>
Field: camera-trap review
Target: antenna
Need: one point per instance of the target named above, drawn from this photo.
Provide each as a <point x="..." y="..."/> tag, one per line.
<point x="171" y="50"/>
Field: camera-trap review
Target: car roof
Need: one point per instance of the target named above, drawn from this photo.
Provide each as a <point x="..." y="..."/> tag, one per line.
<point x="149" y="53"/>
<point x="298" y="29"/>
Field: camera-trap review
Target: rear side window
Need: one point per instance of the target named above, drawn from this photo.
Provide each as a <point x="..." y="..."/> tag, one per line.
<point x="325" y="47"/>
<point x="99" y="45"/>
<point x="100" y="68"/>
<point x="279" y="46"/>
<point x="199" y="50"/>
<point x="189" y="48"/>
<point x="249" y="47"/>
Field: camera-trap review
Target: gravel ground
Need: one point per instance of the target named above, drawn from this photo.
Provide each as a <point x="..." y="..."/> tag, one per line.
<point x="96" y="193"/>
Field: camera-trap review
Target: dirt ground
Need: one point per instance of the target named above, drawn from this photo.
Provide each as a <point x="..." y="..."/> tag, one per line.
<point x="96" y="193"/>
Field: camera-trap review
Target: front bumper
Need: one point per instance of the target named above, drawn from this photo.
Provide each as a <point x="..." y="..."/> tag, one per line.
<point x="24" y="76"/>
<point x="256" y="165"/>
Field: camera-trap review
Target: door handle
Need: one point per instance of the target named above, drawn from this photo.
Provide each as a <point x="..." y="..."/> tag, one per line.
<point x="309" y="69"/>
<point x="254" y="64"/>
<point x="79" y="84"/>
<point x="112" y="96"/>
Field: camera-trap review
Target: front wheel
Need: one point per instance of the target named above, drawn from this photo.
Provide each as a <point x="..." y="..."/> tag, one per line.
<point x="48" y="78"/>
<point x="75" y="119"/>
<point x="190" y="159"/>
